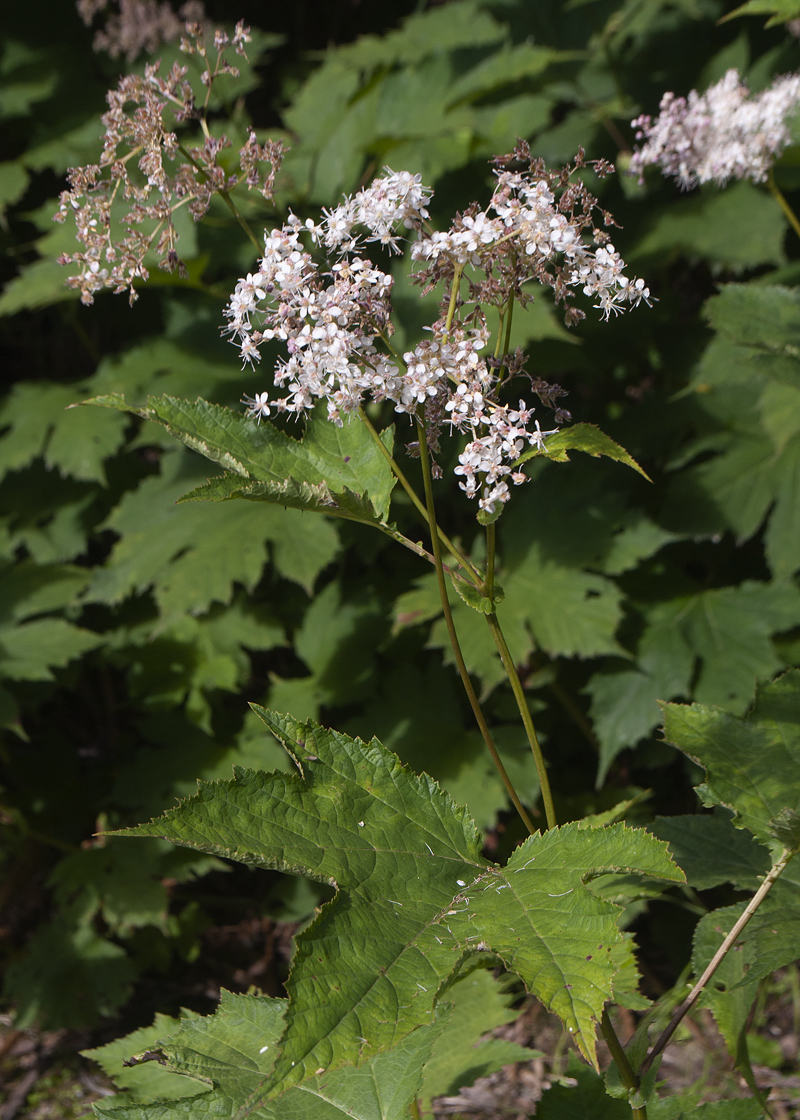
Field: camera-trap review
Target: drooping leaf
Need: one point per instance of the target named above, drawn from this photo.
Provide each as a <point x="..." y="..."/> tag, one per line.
<point x="332" y="470"/>
<point x="752" y="764"/>
<point x="414" y="897"/>
<point x="583" y="437"/>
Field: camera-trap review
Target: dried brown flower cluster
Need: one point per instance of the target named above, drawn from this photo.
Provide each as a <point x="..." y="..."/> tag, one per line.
<point x="139" y="25"/>
<point x="147" y="167"/>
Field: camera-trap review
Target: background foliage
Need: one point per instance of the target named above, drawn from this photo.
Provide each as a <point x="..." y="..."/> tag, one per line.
<point x="134" y="631"/>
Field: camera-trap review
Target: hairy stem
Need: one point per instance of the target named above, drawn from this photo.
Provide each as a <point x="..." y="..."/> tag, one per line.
<point x="418" y="505"/>
<point x="629" y="1078"/>
<point x="778" y="195"/>
<point x="716" y="960"/>
<point x="524" y="711"/>
<point x="451" y="630"/>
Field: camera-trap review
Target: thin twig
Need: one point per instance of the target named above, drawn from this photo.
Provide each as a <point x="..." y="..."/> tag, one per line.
<point x="717" y="959"/>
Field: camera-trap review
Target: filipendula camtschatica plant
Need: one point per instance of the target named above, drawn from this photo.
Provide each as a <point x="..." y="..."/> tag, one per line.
<point x="417" y="905"/>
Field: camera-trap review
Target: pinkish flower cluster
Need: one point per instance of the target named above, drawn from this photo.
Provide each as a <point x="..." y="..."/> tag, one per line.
<point x="144" y="166"/>
<point x="724" y="133"/>
<point x="138" y="25"/>
<point x="336" y="323"/>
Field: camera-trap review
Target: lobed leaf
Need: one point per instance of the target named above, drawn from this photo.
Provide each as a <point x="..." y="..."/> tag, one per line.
<point x="414" y="895"/>
<point x="752" y="764"/>
<point x="335" y="470"/>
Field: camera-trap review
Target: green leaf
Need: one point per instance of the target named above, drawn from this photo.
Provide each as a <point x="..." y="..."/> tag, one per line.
<point x="73" y="441"/>
<point x="68" y="975"/>
<point x="700" y="225"/>
<point x="731" y="991"/>
<point x="14" y="181"/>
<point x="730" y="629"/>
<point x="333" y="470"/>
<point x="785" y="827"/>
<point x="625" y="704"/>
<point x="460" y="1054"/>
<point x="30" y="651"/>
<point x="780" y="11"/>
<point x="711" y="851"/>
<point x="414" y="897"/>
<point x="192" y="555"/>
<point x="763" y="317"/>
<point x="235" y="1048"/>
<point x="146" y="1081"/>
<point x="586" y="1099"/>
<point x="586" y="438"/>
<point x="685" y="1106"/>
<point x="27" y="588"/>
<point x="380" y="1089"/>
<point x="752" y="764"/>
<point x="473" y="597"/>
<point x="570" y="612"/>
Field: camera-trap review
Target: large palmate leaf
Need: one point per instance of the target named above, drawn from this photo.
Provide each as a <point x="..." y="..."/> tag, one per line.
<point x="332" y="470"/>
<point x="192" y="555"/>
<point x="752" y="764"/>
<point x="415" y="896"/>
<point x="235" y="1049"/>
<point x="714" y="645"/>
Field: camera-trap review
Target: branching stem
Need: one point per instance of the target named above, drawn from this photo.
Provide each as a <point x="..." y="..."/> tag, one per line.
<point x="719" y="956"/>
<point x="451" y="630"/>
<point x="418" y="505"/>
<point x="226" y="198"/>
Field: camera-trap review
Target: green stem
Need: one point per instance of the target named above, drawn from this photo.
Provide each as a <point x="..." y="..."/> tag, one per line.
<point x="524" y="711"/>
<point x="409" y="489"/>
<point x="509" y="318"/>
<point x="451" y="630"/>
<point x="777" y="194"/>
<point x="226" y="198"/>
<point x="457" y="272"/>
<point x="491" y="548"/>
<point x="629" y="1078"/>
<point x="719" y="956"/>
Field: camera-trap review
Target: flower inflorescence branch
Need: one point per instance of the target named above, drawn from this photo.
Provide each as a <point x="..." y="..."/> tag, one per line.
<point x="145" y="167"/>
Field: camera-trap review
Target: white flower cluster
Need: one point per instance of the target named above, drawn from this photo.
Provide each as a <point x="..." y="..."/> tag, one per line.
<point x="724" y="133"/>
<point x="525" y="213"/>
<point x="330" y="321"/>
